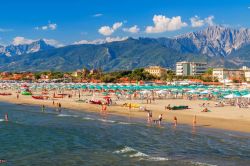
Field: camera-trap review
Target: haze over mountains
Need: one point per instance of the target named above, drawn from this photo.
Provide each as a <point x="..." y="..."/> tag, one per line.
<point x="217" y="45"/>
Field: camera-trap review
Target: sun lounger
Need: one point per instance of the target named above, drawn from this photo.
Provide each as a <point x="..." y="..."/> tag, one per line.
<point x="181" y="107"/>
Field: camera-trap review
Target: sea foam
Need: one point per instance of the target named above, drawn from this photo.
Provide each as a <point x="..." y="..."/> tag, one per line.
<point x="67" y="115"/>
<point x="133" y="153"/>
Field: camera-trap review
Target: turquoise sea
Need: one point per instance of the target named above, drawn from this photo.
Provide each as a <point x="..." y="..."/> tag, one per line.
<point x="34" y="138"/>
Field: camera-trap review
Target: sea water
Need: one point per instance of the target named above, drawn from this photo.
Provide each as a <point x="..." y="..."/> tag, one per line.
<point x="33" y="137"/>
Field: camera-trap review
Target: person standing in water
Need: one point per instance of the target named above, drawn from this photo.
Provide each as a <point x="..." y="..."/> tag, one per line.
<point x="6" y="117"/>
<point x="150" y="115"/>
<point x="59" y="107"/>
<point x="194" y="121"/>
<point x="160" y="119"/>
<point x="43" y="108"/>
<point x="175" y="121"/>
<point x="104" y="109"/>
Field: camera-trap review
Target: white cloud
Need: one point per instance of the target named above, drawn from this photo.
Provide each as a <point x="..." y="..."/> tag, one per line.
<point x="163" y="23"/>
<point x="49" y="26"/>
<point x="98" y="15"/>
<point x="107" y="30"/>
<point x="197" y="22"/>
<point x="21" y="41"/>
<point x="101" y="41"/>
<point x="209" y="20"/>
<point x="117" y="25"/>
<point x="133" y="29"/>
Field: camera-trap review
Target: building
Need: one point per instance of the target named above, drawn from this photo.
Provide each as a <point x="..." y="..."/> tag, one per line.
<point x="229" y="74"/>
<point x="190" y="68"/>
<point x="77" y="73"/>
<point x="156" y="70"/>
<point x="247" y="73"/>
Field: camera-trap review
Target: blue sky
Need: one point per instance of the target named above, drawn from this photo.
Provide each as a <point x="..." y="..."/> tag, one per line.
<point x="68" y="21"/>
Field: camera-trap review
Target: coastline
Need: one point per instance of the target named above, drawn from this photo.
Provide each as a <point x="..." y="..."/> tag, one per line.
<point x="227" y="118"/>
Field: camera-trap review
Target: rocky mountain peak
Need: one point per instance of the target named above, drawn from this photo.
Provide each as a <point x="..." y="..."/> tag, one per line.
<point x="13" y="50"/>
<point x="217" y="40"/>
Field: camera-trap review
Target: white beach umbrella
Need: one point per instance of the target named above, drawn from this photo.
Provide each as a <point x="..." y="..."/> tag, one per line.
<point x="145" y="92"/>
<point x="231" y="96"/>
<point x="161" y="92"/>
<point x="246" y="96"/>
<point x="205" y="92"/>
<point x="192" y="91"/>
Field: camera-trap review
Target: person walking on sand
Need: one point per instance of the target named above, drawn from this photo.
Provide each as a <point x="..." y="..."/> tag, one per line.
<point x="175" y="121"/>
<point x="17" y="96"/>
<point x="129" y="106"/>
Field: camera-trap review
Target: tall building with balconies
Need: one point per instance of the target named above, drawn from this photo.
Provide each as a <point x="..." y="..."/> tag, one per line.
<point x="190" y="68"/>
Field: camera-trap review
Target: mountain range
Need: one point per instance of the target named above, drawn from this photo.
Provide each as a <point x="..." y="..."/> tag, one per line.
<point x="13" y="50"/>
<point x="218" y="46"/>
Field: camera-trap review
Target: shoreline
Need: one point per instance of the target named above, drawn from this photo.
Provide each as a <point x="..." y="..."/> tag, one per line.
<point x="206" y="120"/>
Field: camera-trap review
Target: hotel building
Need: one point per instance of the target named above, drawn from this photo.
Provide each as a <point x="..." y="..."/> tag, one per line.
<point x="190" y="68"/>
<point x="232" y="74"/>
<point x="156" y="70"/>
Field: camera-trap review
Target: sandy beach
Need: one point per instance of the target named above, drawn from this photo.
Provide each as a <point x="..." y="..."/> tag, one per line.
<point x="228" y="117"/>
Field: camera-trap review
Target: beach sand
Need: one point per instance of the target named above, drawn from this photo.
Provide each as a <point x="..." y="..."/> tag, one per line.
<point x="228" y="117"/>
